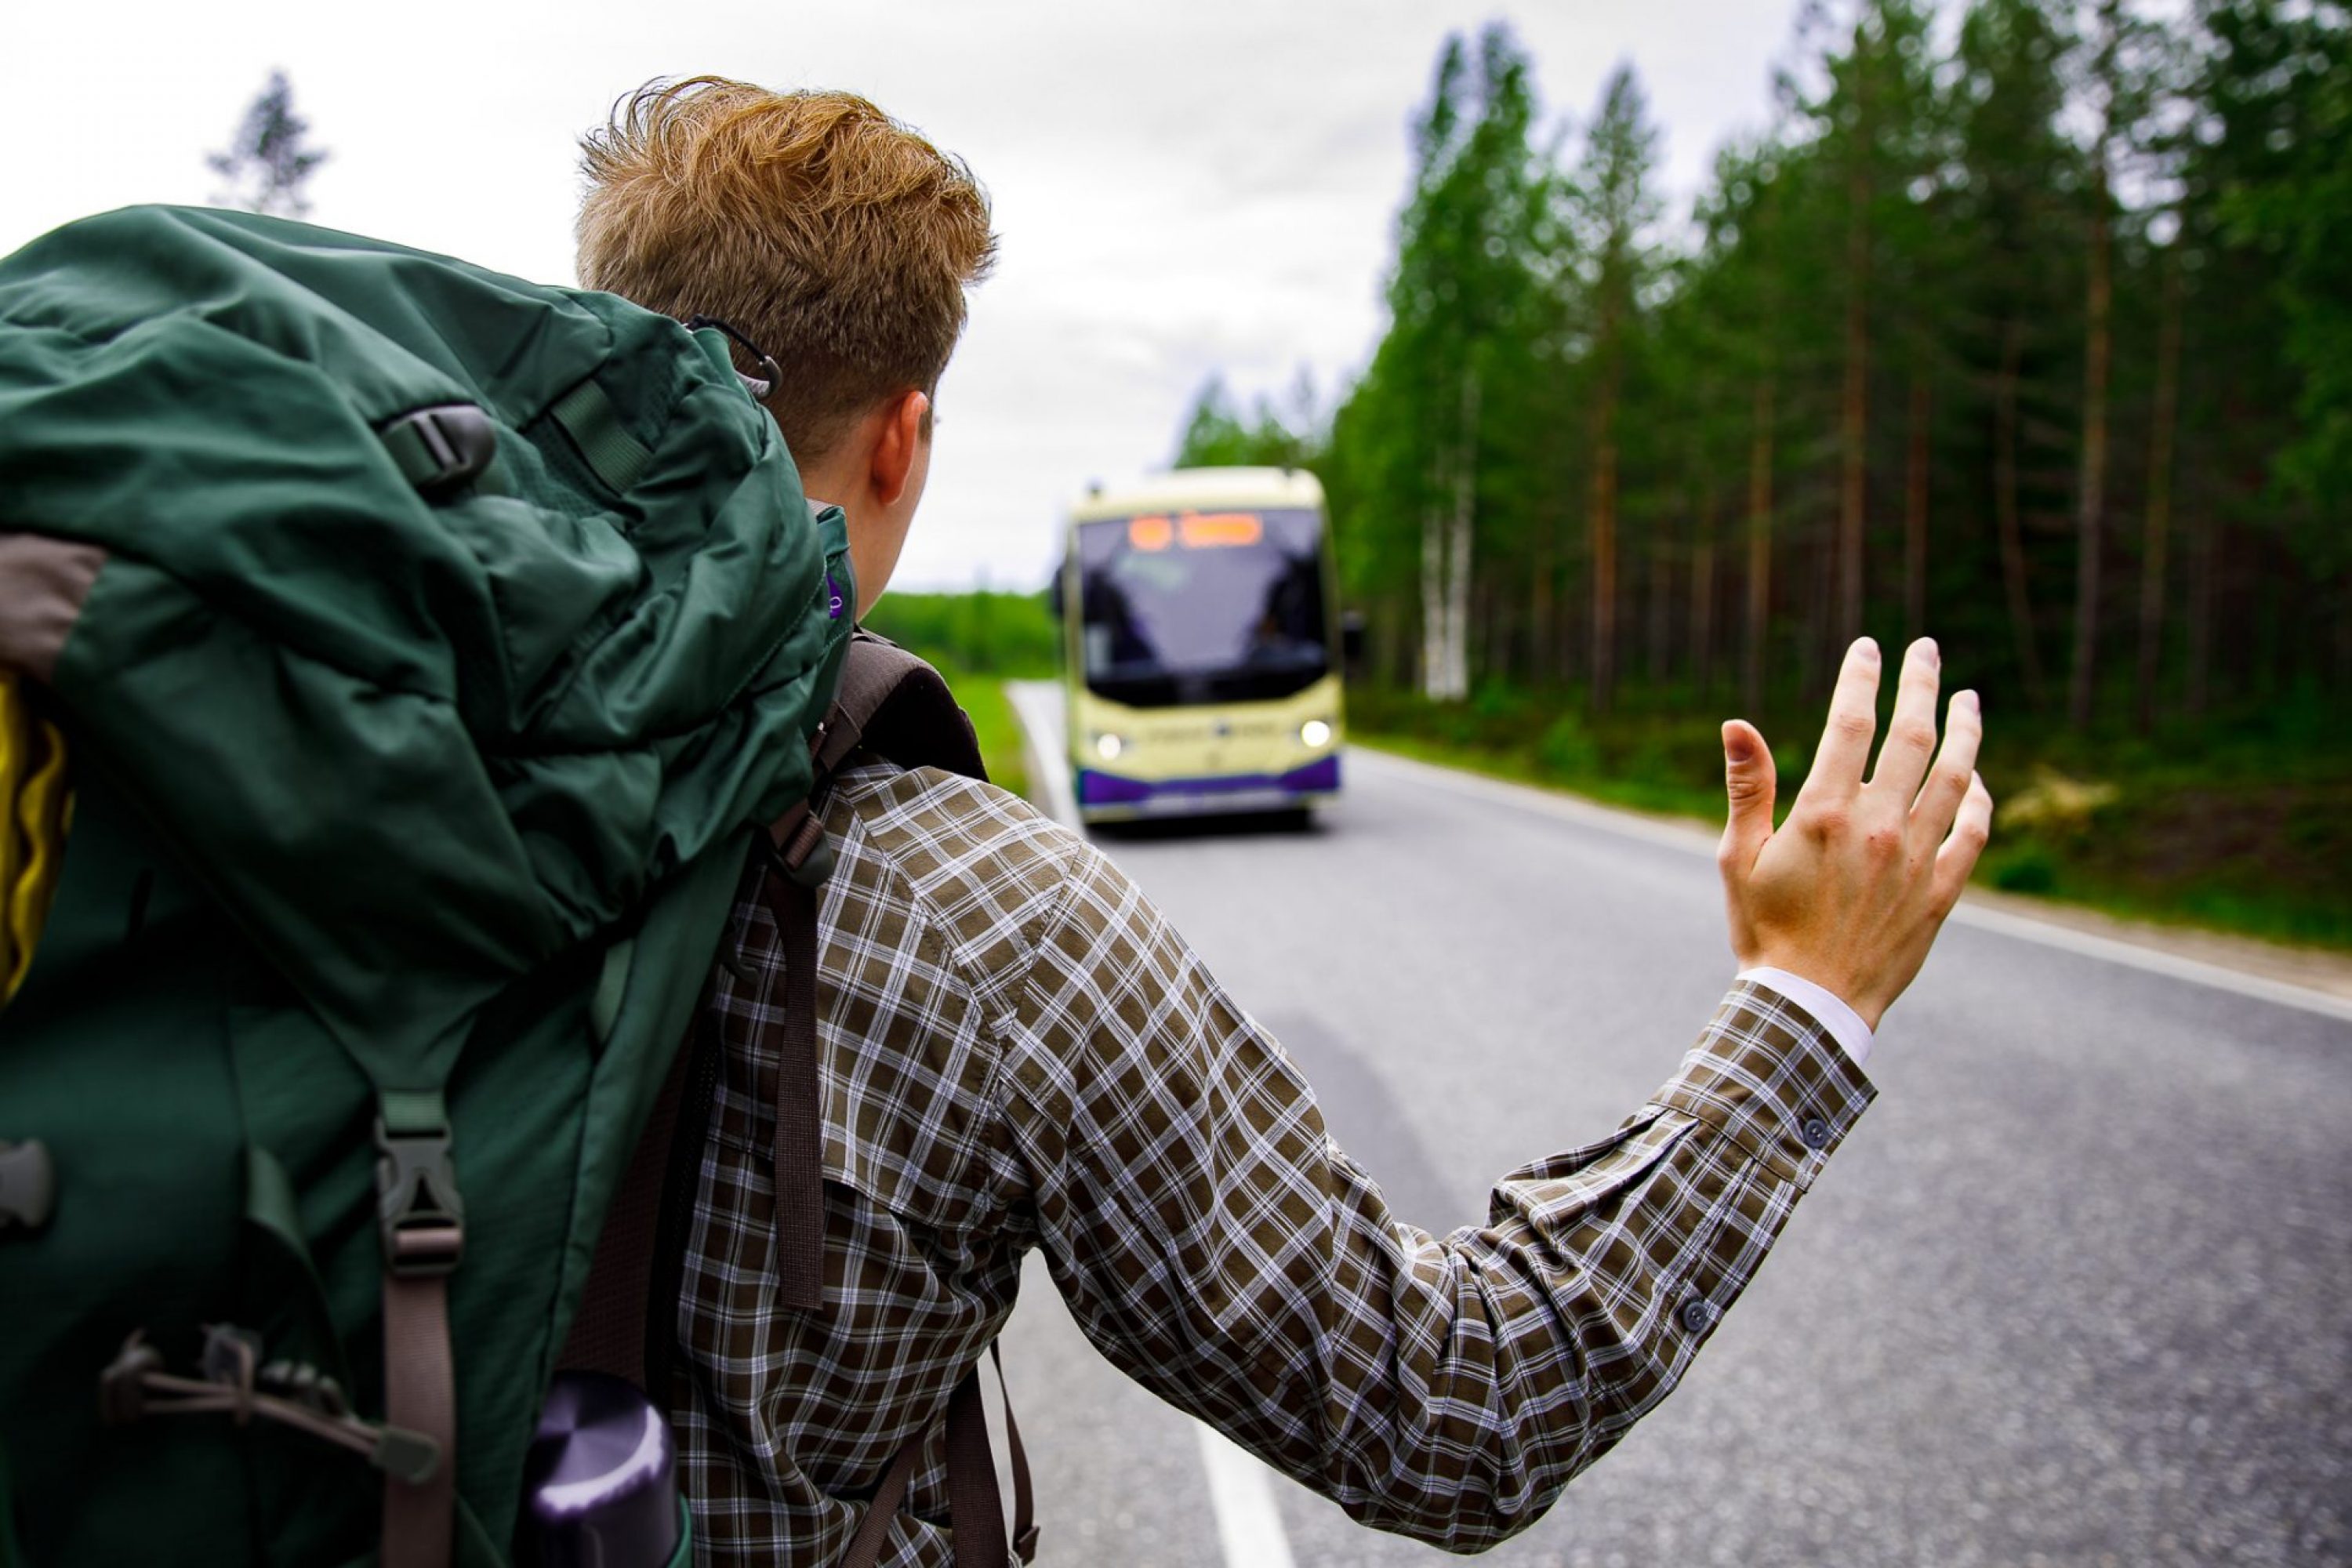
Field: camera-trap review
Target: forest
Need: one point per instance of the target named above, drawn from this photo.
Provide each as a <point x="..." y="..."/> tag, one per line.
<point x="2026" y="324"/>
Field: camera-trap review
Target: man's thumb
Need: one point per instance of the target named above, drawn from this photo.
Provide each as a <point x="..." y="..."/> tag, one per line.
<point x="1747" y="783"/>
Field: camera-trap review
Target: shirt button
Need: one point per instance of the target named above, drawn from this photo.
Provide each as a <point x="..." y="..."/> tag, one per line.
<point x="1697" y="1313"/>
<point x="1815" y="1133"/>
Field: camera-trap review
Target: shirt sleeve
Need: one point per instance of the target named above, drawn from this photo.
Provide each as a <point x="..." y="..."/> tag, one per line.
<point x="1844" y="1025"/>
<point x="1214" y="1242"/>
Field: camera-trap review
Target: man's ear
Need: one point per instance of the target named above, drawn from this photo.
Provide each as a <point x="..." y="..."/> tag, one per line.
<point x="906" y="425"/>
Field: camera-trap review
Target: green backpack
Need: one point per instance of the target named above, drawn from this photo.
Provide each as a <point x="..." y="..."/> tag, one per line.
<point x="425" y="645"/>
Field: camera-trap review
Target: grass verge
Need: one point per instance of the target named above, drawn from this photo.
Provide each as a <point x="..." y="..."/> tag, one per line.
<point x="2244" y="836"/>
<point x="998" y="727"/>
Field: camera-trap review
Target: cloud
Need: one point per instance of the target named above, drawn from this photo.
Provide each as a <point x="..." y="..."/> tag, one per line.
<point x="1183" y="189"/>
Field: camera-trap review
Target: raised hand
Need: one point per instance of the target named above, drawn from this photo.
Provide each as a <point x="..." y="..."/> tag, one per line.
<point x="1851" y="892"/>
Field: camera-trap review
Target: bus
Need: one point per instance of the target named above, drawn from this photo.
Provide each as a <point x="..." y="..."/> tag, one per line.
<point x="1203" y="660"/>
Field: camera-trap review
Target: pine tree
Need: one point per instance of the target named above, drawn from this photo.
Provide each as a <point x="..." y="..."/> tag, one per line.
<point x="1612" y="209"/>
<point x="269" y="162"/>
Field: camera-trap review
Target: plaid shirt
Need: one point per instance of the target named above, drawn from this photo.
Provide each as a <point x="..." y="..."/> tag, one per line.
<point x="1018" y="1051"/>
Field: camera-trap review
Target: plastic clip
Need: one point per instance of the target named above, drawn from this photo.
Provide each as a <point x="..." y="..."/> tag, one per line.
<point x="419" y="1216"/>
<point x="440" y="448"/>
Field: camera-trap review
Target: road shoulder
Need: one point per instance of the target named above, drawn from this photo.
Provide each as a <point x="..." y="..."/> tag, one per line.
<point x="2277" y="971"/>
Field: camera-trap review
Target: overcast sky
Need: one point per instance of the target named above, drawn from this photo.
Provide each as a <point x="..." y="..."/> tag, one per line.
<point x="1182" y="187"/>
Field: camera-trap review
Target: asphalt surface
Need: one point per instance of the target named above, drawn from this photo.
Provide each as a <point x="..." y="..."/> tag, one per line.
<point x="2078" y="1289"/>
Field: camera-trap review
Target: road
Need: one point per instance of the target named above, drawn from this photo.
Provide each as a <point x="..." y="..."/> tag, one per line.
<point x="2078" y="1289"/>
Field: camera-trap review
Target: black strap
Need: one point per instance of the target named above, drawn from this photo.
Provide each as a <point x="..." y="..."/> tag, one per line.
<point x="873" y="1530"/>
<point x="799" y="1148"/>
<point x="975" y="1507"/>
<point x="608" y="1334"/>
<point x="1024" y="1503"/>
<point x="894" y="704"/>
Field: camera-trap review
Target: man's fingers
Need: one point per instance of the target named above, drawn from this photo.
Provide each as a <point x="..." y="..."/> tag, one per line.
<point x="1836" y="772"/>
<point x="1947" y="784"/>
<point x="1959" y="855"/>
<point x="1911" y="735"/>
<point x="1749" y="781"/>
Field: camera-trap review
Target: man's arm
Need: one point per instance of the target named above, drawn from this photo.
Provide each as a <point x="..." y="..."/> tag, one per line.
<point x="1213" y="1241"/>
<point x="1215" y="1244"/>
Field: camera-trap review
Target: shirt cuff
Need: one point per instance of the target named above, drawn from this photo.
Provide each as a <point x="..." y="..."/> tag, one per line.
<point x="1767" y="1075"/>
<point x="1844" y="1025"/>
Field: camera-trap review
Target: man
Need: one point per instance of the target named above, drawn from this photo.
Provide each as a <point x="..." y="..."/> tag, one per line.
<point x="1018" y="1052"/>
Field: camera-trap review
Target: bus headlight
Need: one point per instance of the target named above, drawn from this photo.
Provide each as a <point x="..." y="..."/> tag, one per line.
<point x="1108" y="747"/>
<point x="1315" y="733"/>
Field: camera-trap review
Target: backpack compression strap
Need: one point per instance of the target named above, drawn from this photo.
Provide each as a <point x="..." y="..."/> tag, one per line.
<point x="976" y="1511"/>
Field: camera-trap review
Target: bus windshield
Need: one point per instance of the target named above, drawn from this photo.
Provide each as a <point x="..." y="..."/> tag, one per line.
<point x="1186" y="607"/>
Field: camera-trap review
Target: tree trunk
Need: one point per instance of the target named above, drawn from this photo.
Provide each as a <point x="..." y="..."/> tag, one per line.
<point x="2004" y="502"/>
<point x="2090" y="496"/>
<point x="1539" y="607"/>
<point x="1915" y="512"/>
<point x="1821" y="652"/>
<point x="1433" y="604"/>
<point x="2165" y="418"/>
<point x="1662" y="608"/>
<point x="1759" y="550"/>
<point x="2090" y="505"/>
<point x="1853" y="405"/>
<point x="1702" y="597"/>
<point x="2201" y="566"/>
<point x="1495" y="654"/>
<point x="1465" y="506"/>
<point x="1604" y="527"/>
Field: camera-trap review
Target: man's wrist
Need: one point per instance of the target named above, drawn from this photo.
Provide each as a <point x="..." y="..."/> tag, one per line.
<point x="1834" y="1014"/>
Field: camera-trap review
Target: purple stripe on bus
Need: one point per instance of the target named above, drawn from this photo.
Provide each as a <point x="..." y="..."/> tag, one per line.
<point x="1095" y="789"/>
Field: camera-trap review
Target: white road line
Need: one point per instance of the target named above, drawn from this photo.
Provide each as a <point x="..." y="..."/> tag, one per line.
<point x="1699" y="841"/>
<point x="2155" y="960"/>
<point x="1249" y="1525"/>
<point x="1241" y="1490"/>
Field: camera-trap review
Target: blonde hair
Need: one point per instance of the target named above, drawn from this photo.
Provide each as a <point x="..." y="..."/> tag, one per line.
<point x="835" y="238"/>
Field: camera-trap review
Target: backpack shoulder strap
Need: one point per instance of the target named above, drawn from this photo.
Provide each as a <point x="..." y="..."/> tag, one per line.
<point x="894" y="704"/>
<point x="890" y="703"/>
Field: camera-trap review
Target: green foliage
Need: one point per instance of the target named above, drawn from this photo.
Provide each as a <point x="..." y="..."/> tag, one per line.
<point x="2224" y="836"/>
<point x="1218" y="436"/>
<point x="1009" y="635"/>
<point x="979" y="641"/>
<point x="1667" y="451"/>
<point x="2027" y="325"/>
<point x="1444" y="404"/>
<point x="2027" y="868"/>
<point x="1567" y="749"/>
<point x="997" y="727"/>
<point x="2281" y="161"/>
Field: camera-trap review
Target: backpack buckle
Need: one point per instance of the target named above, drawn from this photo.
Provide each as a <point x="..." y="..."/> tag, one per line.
<point x="419" y="1216"/>
<point x="439" y="450"/>
<point x="800" y="848"/>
